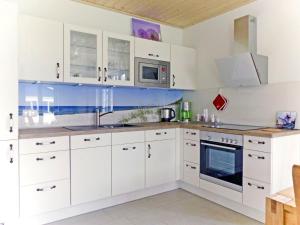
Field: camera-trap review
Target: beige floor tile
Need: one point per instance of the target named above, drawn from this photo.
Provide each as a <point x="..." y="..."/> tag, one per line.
<point x="171" y="208"/>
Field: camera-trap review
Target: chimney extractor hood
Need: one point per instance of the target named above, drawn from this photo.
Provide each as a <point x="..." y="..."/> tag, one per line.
<point x="245" y="67"/>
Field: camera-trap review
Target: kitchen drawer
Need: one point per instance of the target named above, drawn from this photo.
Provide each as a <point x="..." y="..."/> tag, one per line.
<point x="190" y="134"/>
<point x="255" y="193"/>
<point x="37" y="199"/>
<point x="163" y="134"/>
<point x="152" y="49"/>
<point x="191" y="173"/>
<point x="257" y="165"/>
<point x="38" y="145"/>
<point x="191" y="151"/>
<point x="90" y="140"/>
<point x="257" y="143"/>
<point x="44" y="167"/>
<point x="128" y="137"/>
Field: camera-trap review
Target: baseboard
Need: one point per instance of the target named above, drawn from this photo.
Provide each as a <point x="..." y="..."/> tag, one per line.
<point x="94" y="206"/>
<point x="233" y="205"/>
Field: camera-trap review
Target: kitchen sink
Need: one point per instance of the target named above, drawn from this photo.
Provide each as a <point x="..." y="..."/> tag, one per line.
<point x="107" y="126"/>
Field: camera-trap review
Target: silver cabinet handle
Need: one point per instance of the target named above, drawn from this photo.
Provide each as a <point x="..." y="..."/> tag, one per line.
<point x="157" y="133"/>
<point x="11" y="153"/>
<point x="41" y="143"/>
<point x="255" y="156"/>
<point x="173" y="80"/>
<point x="257" y="142"/>
<point x="256" y="186"/>
<point x="191" y="144"/>
<point x="99" y="74"/>
<point x="46" y="188"/>
<point x="192" y="167"/>
<point x="125" y="149"/>
<point x="88" y="139"/>
<point x="149" y="151"/>
<point x="11" y="123"/>
<point x="105" y="74"/>
<point x="150" y="54"/>
<point x="42" y="159"/>
<point x="57" y="70"/>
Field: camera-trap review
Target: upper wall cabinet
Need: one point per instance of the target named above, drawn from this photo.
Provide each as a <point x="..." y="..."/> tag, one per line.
<point x="118" y="59"/>
<point x="40" y="49"/>
<point x="82" y="55"/>
<point x="183" y="67"/>
<point x="152" y="49"/>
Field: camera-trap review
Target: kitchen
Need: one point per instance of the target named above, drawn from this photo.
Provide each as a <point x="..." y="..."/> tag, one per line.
<point x="79" y="115"/>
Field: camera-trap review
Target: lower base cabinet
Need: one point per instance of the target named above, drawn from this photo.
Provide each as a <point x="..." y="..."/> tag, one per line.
<point x="160" y="162"/>
<point x="45" y="197"/>
<point x="191" y="173"/>
<point x="90" y="174"/>
<point x="128" y="168"/>
<point x="9" y="187"/>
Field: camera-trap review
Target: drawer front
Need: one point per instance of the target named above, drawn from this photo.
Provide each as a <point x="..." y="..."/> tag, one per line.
<point x="163" y="134"/>
<point x="257" y="165"/>
<point x="255" y="193"/>
<point x="190" y="134"/>
<point x="38" y="145"/>
<point x="90" y="141"/>
<point x="257" y="143"/>
<point x="191" y="151"/>
<point x="44" y="167"/>
<point x="191" y="173"/>
<point x="45" y="197"/>
<point x="128" y="137"/>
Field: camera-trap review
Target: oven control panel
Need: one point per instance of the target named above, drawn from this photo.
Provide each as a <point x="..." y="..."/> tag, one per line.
<point x="231" y="139"/>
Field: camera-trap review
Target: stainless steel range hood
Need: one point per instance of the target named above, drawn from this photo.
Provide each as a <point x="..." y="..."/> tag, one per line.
<point x="245" y="67"/>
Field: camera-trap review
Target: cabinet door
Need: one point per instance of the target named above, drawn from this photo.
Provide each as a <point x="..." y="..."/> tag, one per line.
<point x="152" y="49"/>
<point x="9" y="193"/>
<point x="8" y="71"/>
<point x="90" y="174"/>
<point x="83" y="55"/>
<point x="40" y="49"/>
<point x="183" y="67"/>
<point x="160" y="162"/>
<point x="128" y="168"/>
<point x="118" y="59"/>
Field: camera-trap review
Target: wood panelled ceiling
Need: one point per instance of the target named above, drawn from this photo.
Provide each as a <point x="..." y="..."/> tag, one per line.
<point x="178" y="13"/>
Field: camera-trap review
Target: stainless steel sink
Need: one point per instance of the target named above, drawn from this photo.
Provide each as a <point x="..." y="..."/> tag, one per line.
<point x="107" y="126"/>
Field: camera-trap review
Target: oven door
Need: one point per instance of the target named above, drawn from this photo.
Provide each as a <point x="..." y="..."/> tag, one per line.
<point x="222" y="164"/>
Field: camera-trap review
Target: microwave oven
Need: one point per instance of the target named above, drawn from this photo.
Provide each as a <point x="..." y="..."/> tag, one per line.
<point x="151" y="73"/>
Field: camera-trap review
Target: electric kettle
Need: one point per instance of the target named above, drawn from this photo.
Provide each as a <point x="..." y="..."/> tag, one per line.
<point x="167" y="114"/>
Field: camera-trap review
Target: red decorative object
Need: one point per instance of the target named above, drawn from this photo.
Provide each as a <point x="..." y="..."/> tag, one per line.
<point x="220" y="102"/>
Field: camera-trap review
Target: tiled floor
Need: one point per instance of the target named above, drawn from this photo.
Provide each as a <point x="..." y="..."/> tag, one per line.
<point x="171" y="208"/>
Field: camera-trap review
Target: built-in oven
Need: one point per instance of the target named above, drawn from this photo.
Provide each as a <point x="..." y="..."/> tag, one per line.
<point x="151" y="73"/>
<point x="221" y="159"/>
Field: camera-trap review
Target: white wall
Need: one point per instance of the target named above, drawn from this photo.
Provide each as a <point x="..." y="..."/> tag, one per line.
<point x="278" y="38"/>
<point x="76" y="13"/>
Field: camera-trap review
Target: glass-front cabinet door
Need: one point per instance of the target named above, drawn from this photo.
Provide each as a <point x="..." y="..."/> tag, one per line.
<point x="118" y="59"/>
<point x="82" y="55"/>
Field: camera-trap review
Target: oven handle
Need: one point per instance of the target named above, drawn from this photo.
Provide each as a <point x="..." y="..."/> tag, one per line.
<point x="219" y="146"/>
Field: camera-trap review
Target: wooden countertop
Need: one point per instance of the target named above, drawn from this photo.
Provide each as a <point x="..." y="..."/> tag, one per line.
<point x="60" y="131"/>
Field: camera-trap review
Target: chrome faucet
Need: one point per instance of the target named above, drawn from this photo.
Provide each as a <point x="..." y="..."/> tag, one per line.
<point x="99" y="115"/>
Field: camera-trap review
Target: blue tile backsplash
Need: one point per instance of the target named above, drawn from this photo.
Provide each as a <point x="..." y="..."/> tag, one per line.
<point x="43" y="103"/>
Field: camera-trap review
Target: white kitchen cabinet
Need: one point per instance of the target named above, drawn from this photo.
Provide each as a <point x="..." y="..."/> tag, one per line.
<point x="152" y="49"/>
<point x="161" y="134"/>
<point x="191" y="151"/>
<point x="160" y="162"/>
<point x="90" y="174"/>
<point x="183" y="67"/>
<point x="191" y="173"/>
<point x="267" y="167"/>
<point x="128" y="168"/>
<point x="9" y="188"/>
<point x="44" y="167"/>
<point x="40" y="49"/>
<point x="45" y="197"/>
<point x="82" y="55"/>
<point x="118" y="59"/>
<point x="8" y="71"/>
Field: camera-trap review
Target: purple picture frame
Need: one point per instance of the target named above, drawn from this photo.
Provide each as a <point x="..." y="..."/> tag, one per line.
<point x="146" y="30"/>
